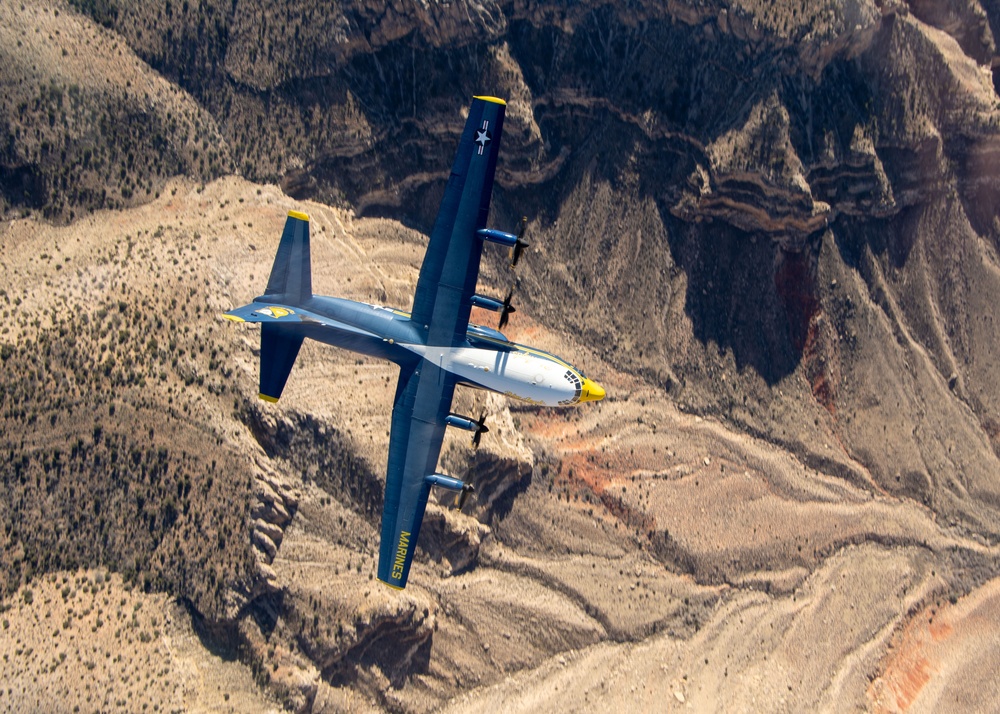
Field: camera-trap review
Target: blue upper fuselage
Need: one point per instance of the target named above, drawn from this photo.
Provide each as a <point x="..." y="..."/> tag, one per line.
<point x="370" y="329"/>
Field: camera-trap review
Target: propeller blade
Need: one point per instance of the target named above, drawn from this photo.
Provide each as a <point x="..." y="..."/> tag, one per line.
<point x="506" y="309"/>
<point x="466" y="490"/>
<point x="521" y="244"/>
<point x="518" y="249"/>
<point x="482" y="429"/>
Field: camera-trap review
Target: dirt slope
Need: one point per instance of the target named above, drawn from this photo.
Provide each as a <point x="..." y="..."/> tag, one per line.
<point x="608" y="542"/>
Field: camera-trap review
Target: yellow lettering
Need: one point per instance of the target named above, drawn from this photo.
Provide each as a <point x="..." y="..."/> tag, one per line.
<point x="400" y="562"/>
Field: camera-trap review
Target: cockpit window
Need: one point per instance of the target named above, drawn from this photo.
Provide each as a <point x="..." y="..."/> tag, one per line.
<point x="572" y="377"/>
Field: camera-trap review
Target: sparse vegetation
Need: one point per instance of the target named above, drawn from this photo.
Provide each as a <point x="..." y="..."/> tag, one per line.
<point x="126" y="493"/>
<point x="132" y="663"/>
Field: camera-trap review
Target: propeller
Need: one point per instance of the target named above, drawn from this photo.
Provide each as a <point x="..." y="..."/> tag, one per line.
<point x="506" y="309"/>
<point x="521" y="244"/>
<point x="463" y="497"/>
<point x="481" y="429"/>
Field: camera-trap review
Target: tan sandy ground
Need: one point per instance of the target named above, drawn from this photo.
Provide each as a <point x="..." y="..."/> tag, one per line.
<point x="946" y="659"/>
<point x="87" y="643"/>
<point x="661" y="560"/>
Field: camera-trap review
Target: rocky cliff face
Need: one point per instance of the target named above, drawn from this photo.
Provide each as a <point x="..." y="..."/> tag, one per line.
<point x="778" y="217"/>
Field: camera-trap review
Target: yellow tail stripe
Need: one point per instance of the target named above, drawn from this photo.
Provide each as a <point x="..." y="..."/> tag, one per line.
<point x="298" y="214"/>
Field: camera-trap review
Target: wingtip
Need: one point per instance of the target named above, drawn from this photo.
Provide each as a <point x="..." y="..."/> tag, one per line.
<point x="390" y="585"/>
<point x="492" y="100"/>
<point x="268" y="398"/>
<point x="298" y="214"/>
<point x="233" y="318"/>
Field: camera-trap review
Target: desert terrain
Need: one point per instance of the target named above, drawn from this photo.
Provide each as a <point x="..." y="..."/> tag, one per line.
<point x="778" y="252"/>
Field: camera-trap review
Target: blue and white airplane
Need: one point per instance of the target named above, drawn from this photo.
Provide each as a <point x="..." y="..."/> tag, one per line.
<point x="435" y="345"/>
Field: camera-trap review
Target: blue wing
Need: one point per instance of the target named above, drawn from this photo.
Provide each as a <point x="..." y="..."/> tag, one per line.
<point x="451" y="266"/>
<point x="442" y="303"/>
<point x="423" y="399"/>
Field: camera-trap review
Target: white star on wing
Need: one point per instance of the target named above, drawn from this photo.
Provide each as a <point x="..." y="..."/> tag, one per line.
<point x="482" y="137"/>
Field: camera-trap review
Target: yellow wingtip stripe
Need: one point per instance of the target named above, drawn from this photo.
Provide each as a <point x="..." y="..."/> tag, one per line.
<point x="394" y="587"/>
<point x="233" y="318"/>
<point x="494" y="100"/>
<point x="268" y="398"/>
<point x="298" y="214"/>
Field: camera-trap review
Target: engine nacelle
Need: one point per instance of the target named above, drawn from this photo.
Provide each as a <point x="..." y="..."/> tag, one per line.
<point x="495" y="236"/>
<point x="487" y="303"/>
<point x="449" y="482"/>
<point x="461" y="422"/>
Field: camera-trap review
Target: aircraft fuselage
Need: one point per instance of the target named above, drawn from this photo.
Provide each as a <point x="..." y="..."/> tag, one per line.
<point x="487" y="360"/>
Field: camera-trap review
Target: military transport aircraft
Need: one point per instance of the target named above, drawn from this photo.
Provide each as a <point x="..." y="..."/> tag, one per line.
<point x="435" y="345"/>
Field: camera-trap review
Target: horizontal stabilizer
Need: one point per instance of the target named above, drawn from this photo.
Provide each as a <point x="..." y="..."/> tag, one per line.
<point x="278" y="350"/>
<point x="261" y="312"/>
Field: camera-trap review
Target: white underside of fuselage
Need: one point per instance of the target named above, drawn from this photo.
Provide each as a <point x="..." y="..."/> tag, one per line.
<point x="530" y="377"/>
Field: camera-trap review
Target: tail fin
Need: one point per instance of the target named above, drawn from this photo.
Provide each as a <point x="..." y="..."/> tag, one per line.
<point x="291" y="276"/>
<point x="290" y="284"/>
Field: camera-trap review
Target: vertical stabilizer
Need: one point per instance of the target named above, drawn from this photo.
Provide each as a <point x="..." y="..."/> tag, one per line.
<point x="291" y="277"/>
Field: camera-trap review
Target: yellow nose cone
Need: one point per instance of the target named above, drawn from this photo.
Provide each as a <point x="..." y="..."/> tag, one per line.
<point x="591" y="391"/>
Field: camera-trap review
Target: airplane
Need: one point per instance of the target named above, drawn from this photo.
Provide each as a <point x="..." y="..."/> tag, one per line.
<point x="435" y="345"/>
